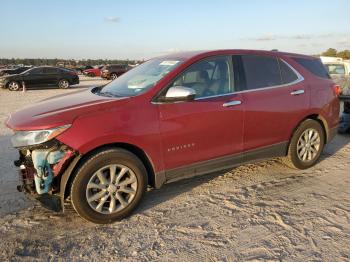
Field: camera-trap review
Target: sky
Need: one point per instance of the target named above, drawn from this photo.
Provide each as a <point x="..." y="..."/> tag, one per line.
<point x="130" y="29"/>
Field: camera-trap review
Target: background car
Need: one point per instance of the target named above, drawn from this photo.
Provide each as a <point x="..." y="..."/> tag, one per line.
<point x="93" y="71"/>
<point x="80" y="69"/>
<point x="111" y="72"/>
<point x="339" y="70"/>
<point x="40" y="76"/>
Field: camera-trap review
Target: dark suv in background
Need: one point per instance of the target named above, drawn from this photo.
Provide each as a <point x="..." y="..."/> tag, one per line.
<point x="40" y="76"/>
<point x="111" y="72"/>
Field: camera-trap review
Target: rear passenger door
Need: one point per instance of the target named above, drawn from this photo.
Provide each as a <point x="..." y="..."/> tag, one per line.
<point x="275" y="98"/>
<point x="50" y="76"/>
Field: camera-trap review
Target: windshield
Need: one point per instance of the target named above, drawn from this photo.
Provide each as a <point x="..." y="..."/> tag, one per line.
<point x="140" y="79"/>
<point x="27" y="70"/>
<point x="336" y="69"/>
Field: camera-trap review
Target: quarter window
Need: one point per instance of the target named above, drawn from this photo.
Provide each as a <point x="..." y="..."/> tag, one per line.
<point x="261" y="71"/>
<point x="314" y="66"/>
<point x="209" y="77"/>
<point x="288" y="75"/>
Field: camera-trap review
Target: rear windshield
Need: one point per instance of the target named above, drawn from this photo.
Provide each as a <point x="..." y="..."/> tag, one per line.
<point x="314" y="66"/>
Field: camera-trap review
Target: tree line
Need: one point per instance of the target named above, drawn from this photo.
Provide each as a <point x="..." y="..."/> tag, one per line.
<point x="55" y="61"/>
<point x="345" y="54"/>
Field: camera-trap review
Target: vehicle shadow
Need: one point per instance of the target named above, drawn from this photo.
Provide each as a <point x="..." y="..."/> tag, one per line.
<point x="171" y="190"/>
<point x="340" y="141"/>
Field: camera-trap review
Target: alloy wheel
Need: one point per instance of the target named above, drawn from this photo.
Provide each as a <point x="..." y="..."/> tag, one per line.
<point x="64" y="84"/>
<point x="111" y="189"/>
<point x="13" y="86"/>
<point x="308" y="145"/>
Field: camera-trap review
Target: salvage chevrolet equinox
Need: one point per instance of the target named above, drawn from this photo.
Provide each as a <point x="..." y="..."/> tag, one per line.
<point x="169" y="118"/>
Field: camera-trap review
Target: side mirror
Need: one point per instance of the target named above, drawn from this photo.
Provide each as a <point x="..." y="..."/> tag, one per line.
<point x="179" y="94"/>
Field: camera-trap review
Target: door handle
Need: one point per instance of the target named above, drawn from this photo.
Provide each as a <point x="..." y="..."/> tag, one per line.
<point x="232" y="103"/>
<point x="297" y="92"/>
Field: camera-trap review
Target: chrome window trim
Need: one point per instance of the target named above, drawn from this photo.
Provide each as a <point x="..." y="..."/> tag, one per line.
<point x="298" y="80"/>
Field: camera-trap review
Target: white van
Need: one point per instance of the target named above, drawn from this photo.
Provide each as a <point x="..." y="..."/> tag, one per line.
<point x="339" y="70"/>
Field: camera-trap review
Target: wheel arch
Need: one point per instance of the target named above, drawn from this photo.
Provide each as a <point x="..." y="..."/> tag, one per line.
<point x="63" y="78"/>
<point x="69" y="174"/>
<point x="19" y="82"/>
<point x="320" y="119"/>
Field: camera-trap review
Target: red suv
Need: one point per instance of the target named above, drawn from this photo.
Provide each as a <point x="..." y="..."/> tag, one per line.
<point x="173" y="117"/>
<point x="111" y="72"/>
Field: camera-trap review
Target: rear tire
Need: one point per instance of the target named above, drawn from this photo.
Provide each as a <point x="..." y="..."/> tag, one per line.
<point x="108" y="186"/>
<point x="113" y="76"/>
<point x="14" y="86"/>
<point x="306" y="145"/>
<point x="63" y="83"/>
<point x="91" y="74"/>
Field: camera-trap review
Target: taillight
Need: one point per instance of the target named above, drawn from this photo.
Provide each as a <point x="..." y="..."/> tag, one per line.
<point x="336" y="89"/>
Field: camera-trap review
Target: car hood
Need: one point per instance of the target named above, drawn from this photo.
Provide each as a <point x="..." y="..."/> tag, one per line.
<point x="59" y="110"/>
<point x="13" y="76"/>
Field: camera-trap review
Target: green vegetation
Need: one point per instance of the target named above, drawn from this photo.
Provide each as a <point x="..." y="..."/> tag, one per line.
<point x="345" y="54"/>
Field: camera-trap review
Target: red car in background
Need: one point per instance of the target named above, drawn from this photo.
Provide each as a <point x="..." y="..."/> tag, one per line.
<point x="93" y="72"/>
<point x="173" y="117"/>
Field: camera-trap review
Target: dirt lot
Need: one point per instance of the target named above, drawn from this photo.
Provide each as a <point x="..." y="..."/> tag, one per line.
<point x="262" y="211"/>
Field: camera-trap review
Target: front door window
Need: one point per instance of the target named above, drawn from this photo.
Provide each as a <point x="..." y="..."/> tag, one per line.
<point x="210" y="77"/>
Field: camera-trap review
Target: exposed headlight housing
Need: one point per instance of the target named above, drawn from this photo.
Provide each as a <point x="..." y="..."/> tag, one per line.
<point x="30" y="138"/>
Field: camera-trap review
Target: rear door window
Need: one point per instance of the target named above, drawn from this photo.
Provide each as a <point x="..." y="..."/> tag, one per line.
<point x="50" y="70"/>
<point x="314" y="66"/>
<point x="261" y="71"/>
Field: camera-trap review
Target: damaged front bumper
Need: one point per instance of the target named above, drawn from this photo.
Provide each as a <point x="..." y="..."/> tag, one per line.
<point x="41" y="169"/>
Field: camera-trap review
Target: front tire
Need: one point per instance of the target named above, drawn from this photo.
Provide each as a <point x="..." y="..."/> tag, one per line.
<point x="63" y="83"/>
<point x="306" y="145"/>
<point x="108" y="186"/>
<point x="13" y="86"/>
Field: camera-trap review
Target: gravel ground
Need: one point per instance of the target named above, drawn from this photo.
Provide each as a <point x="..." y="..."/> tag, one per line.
<point x="262" y="211"/>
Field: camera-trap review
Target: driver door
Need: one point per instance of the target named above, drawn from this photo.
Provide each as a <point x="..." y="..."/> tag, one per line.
<point x="207" y="132"/>
<point x="34" y="77"/>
